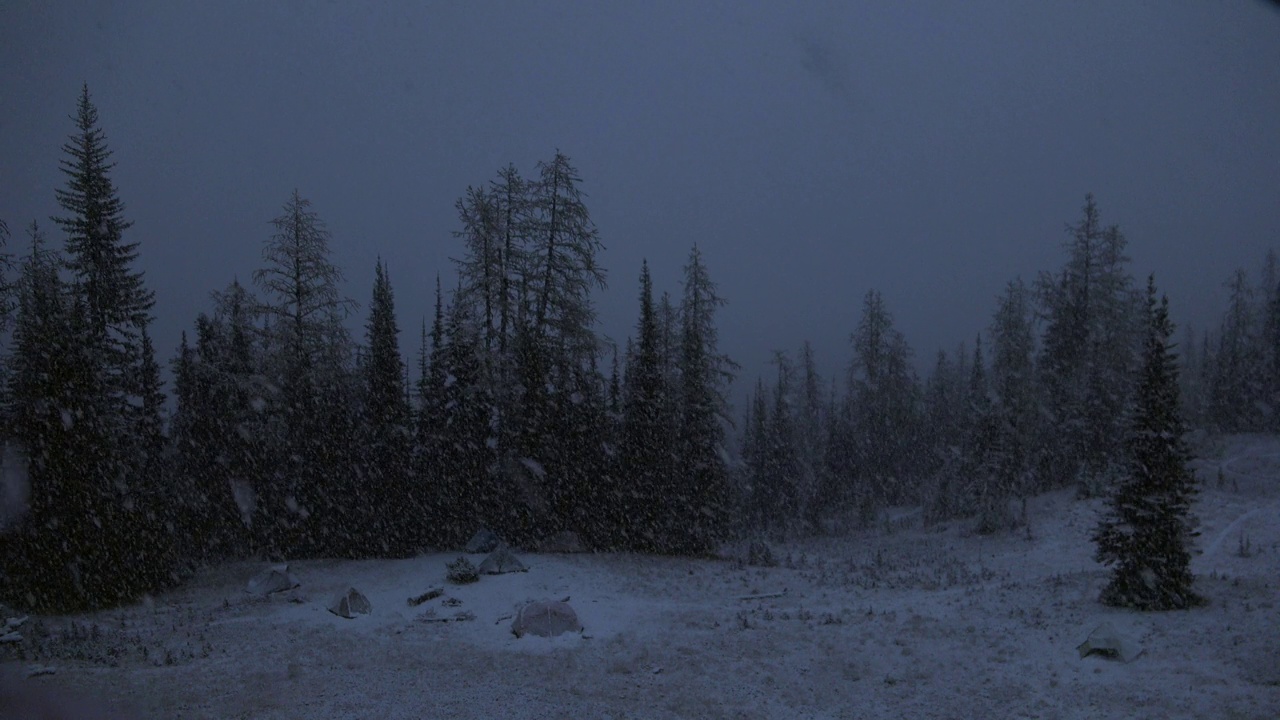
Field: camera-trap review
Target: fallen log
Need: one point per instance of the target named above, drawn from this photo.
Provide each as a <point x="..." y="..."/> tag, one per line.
<point x="764" y="596"/>
<point x="431" y="594"/>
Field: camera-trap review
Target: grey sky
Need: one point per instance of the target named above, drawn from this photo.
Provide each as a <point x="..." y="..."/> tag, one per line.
<point x="813" y="150"/>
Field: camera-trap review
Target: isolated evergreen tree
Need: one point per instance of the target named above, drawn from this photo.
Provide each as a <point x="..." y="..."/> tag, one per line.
<point x="1145" y="535"/>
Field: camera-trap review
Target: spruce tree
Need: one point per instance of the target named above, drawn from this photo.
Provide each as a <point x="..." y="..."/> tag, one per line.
<point x="782" y="466"/>
<point x="882" y="408"/>
<point x="389" y="522"/>
<point x="1013" y="388"/>
<point x="702" y="488"/>
<point x="1146" y="532"/>
<point x="945" y="413"/>
<point x="41" y="401"/>
<point x="760" y="495"/>
<point x="465" y="485"/>
<point x="810" y="435"/>
<point x="1238" y="370"/>
<point x="108" y="495"/>
<point x="641" y="460"/>
<point x="8" y="284"/>
<point x="983" y="450"/>
<point x="116" y="303"/>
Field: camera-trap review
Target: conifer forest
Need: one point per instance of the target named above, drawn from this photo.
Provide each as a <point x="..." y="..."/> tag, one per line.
<point x="660" y="360"/>
<point x="296" y="422"/>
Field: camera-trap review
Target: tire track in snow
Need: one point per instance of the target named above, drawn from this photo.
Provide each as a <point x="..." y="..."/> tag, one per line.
<point x="1216" y="545"/>
<point x="1225" y="467"/>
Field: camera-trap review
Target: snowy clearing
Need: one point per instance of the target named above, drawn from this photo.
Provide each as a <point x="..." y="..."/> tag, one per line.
<point x="912" y="623"/>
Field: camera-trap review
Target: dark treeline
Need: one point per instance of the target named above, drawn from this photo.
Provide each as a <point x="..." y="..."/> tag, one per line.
<point x="290" y="438"/>
<point x="1045" y="397"/>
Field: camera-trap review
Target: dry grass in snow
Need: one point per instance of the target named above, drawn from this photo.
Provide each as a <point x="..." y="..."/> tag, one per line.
<point x="915" y="623"/>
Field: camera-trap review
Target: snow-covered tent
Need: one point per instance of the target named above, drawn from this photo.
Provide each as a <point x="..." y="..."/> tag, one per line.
<point x="546" y="618"/>
<point x="274" y="579"/>
<point x="350" y="604"/>
<point x="483" y="541"/>
<point x="1105" y="640"/>
<point x="501" y="561"/>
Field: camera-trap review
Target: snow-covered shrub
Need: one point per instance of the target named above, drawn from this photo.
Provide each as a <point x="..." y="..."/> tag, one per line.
<point x="462" y="571"/>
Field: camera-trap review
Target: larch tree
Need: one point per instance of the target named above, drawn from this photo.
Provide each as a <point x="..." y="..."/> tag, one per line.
<point x="1087" y="357"/>
<point x="304" y="310"/>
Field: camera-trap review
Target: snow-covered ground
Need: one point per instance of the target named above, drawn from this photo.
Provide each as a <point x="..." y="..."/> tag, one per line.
<point x="909" y="622"/>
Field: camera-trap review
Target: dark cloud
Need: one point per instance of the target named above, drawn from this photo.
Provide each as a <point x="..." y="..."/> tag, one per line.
<point x="932" y="150"/>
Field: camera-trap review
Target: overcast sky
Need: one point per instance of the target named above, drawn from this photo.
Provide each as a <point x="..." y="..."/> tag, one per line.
<point x="813" y="150"/>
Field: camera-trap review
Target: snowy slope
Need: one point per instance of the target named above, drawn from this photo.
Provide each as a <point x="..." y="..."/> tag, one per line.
<point x="913" y="623"/>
